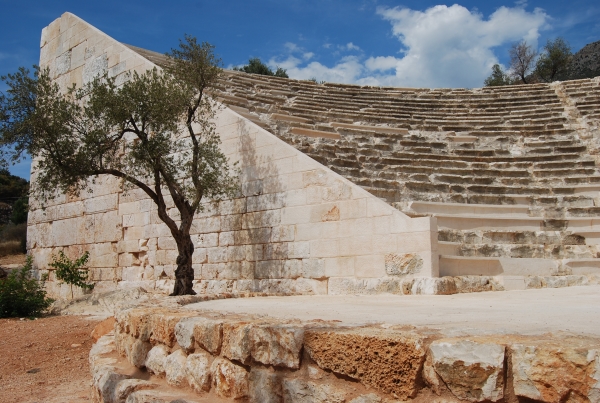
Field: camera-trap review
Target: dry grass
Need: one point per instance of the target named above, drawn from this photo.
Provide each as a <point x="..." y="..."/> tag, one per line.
<point x="11" y="248"/>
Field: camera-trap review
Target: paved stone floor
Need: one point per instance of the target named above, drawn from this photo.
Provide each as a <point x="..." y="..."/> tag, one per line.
<point x="575" y="310"/>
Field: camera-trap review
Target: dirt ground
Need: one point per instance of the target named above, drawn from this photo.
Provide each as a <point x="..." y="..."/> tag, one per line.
<point x="45" y="360"/>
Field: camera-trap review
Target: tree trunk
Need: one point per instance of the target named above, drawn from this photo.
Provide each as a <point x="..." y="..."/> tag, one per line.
<point x="184" y="274"/>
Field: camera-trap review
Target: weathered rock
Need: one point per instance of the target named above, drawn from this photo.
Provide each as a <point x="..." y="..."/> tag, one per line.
<point x="387" y="360"/>
<point x="208" y="333"/>
<point x="370" y="398"/>
<point x="123" y="343"/>
<point x="301" y="391"/>
<point x="175" y="368"/>
<point x="163" y="327"/>
<point x="265" y="386"/>
<point x="402" y="264"/>
<point x="197" y="369"/>
<point x="236" y="341"/>
<point x="139" y="351"/>
<point x="184" y="333"/>
<point x="105" y="381"/>
<point x="229" y="379"/>
<point x="277" y="344"/>
<point x="552" y="373"/>
<point x="102" y="328"/>
<point x="138" y="322"/>
<point x="155" y="360"/>
<point x="127" y="386"/>
<point x="472" y="371"/>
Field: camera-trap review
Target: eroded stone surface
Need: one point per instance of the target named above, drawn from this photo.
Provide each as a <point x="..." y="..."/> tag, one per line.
<point x="472" y="371"/>
<point x="236" y="341"/>
<point x="139" y="351"/>
<point x="370" y="398"/>
<point x="229" y="379"/>
<point x="401" y="264"/>
<point x="208" y="334"/>
<point x="265" y="386"/>
<point x="277" y="344"/>
<point x="155" y="360"/>
<point x="197" y="369"/>
<point x="163" y="327"/>
<point x="384" y="359"/>
<point x="549" y="372"/>
<point x="175" y="365"/>
<point x="184" y="333"/>
<point x="301" y="391"/>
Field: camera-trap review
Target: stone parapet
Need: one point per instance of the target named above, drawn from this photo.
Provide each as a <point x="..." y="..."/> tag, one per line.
<point x="211" y="356"/>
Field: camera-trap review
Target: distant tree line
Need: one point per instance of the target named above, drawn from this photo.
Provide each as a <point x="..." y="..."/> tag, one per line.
<point x="554" y="63"/>
<point x="256" y="66"/>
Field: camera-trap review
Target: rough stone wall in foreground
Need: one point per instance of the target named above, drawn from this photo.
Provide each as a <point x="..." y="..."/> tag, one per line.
<point x="296" y="227"/>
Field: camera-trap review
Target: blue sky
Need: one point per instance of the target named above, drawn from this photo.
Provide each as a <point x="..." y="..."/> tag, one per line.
<point x="374" y="42"/>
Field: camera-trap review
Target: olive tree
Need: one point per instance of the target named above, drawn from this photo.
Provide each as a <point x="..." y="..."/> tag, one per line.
<point x="522" y="61"/>
<point x="154" y="132"/>
<point x="555" y="61"/>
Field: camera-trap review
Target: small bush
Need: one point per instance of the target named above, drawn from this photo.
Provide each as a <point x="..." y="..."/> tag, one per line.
<point x="72" y="272"/>
<point x="21" y="295"/>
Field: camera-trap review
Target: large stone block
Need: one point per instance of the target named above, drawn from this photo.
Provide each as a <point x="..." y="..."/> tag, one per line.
<point x="472" y="371"/>
<point x="265" y="386"/>
<point x="301" y="391"/>
<point x="175" y="368"/>
<point x="208" y="333"/>
<point x="155" y="360"/>
<point x="163" y="327"/>
<point x="184" y="333"/>
<point x="277" y="344"/>
<point x="236" y="341"/>
<point x="197" y="369"/>
<point x="551" y="372"/>
<point x="387" y="360"/>
<point x="229" y="379"/>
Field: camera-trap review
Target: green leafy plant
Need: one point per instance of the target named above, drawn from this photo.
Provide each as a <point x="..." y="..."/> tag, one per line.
<point x="72" y="272"/>
<point x="22" y="295"/>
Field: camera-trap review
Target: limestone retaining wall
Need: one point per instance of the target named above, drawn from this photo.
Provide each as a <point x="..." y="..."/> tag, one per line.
<point x="195" y="356"/>
<point x="296" y="227"/>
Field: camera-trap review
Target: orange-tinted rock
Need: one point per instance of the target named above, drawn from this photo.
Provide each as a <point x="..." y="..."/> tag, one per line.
<point x="229" y="379"/>
<point x="554" y="372"/>
<point x="387" y="360"/>
<point x="277" y="344"/>
<point x="236" y="341"/>
<point x="102" y="328"/>
<point x="472" y="371"/>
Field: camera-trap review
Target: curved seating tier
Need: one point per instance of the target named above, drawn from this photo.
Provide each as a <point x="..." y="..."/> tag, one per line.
<point x="465" y="156"/>
<point x="510" y="172"/>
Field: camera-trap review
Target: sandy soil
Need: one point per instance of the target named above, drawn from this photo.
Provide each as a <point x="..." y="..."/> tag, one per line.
<point x="45" y="360"/>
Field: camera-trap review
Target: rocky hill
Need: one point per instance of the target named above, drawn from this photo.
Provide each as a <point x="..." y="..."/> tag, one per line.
<point x="586" y="62"/>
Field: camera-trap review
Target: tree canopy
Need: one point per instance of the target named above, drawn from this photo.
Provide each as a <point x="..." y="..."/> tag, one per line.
<point x="555" y="61"/>
<point x="522" y="61"/>
<point x="155" y="132"/>
<point x="498" y="77"/>
<point x="256" y="66"/>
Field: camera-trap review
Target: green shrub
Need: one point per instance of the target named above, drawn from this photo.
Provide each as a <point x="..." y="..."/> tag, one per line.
<point x="72" y="272"/>
<point x="21" y="295"/>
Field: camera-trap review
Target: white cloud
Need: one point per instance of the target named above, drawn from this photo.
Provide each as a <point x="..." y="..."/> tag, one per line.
<point x="351" y="46"/>
<point x="347" y="70"/>
<point x="451" y="46"/>
<point x="442" y="46"/>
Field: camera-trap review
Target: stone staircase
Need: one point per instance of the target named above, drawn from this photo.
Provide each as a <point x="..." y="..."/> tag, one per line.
<point x="511" y="173"/>
<point x="513" y="185"/>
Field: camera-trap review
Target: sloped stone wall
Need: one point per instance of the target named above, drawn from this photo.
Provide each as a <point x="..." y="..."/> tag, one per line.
<point x="295" y="226"/>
